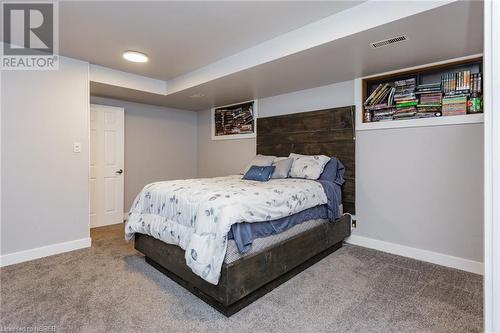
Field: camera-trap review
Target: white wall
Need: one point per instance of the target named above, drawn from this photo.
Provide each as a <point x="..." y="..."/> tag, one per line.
<point x="44" y="184"/>
<point x="160" y="144"/>
<point x="417" y="187"/>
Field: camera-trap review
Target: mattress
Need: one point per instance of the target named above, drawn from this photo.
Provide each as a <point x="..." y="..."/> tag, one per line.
<point x="260" y="244"/>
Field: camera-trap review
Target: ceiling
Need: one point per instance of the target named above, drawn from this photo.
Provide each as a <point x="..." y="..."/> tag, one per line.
<point x="178" y="36"/>
<point x="447" y="32"/>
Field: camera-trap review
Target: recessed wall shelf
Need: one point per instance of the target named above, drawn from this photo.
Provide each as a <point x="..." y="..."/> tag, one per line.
<point x="424" y="74"/>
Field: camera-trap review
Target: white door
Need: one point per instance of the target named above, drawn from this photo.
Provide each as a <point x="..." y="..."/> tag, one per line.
<point x="106" y="165"/>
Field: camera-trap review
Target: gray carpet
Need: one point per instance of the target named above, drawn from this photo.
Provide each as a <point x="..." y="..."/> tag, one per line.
<point x="110" y="288"/>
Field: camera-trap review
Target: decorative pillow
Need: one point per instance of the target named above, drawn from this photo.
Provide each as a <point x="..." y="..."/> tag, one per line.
<point x="283" y="166"/>
<point x="308" y="166"/>
<point x="259" y="173"/>
<point x="334" y="171"/>
<point x="260" y="160"/>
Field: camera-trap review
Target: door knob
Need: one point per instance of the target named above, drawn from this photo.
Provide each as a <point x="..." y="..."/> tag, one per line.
<point x="119" y="171"/>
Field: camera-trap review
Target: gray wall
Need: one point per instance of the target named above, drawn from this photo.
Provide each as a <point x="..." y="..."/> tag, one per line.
<point x="221" y="157"/>
<point x="330" y="96"/>
<point x="417" y="187"/>
<point x="423" y="188"/>
<point x="45" y="194"/>
<point x="225" y="157"/>
<point x="160" y="144"/>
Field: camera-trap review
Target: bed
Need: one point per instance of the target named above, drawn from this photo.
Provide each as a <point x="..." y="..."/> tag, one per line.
<point x="227" y="279"/>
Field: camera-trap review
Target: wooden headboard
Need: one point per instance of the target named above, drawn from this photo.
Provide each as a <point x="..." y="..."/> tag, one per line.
<point x="325" y="132"/>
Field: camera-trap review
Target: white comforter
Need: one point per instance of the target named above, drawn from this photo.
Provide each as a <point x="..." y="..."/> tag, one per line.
<point x="197" y="214"/>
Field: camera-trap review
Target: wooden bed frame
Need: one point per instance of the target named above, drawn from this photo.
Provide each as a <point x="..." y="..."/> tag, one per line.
<point x="328" y="132"/>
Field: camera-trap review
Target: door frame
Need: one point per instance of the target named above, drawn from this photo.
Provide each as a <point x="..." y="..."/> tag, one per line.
<point x="491" y="166"/>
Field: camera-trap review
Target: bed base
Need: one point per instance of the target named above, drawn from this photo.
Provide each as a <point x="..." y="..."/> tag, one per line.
<point x="251" y="277"/>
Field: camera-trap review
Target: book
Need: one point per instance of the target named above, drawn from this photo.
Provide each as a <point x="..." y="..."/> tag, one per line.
<point x="429" y="105"/>
<point x="457" y="81"/>
<point x="427" y="91"/>
<point x="382" y="95"/>
<point x="428" y="88"/>
<point x="404" y="115"/>
<point x="429" y="85"/>
<point x="384" y="112"/>
<point x="406" y="104"/>
<point x="377" y="107"/>
<point x="405" y="98"/>
<point x="390" y="99"/>
<point x="434" y="98"/>
<point x="454" y="105"/>
<point x="382" y="118"/>
<point x="476" y="83"/>
<point x="376" y="95"/>
<point x="406" y="82"/>
<point x="457" y="92"/>
<point x="428" y="114"/>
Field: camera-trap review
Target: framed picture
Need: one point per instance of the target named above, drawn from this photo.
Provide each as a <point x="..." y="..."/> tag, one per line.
<point x="235" y="121"/>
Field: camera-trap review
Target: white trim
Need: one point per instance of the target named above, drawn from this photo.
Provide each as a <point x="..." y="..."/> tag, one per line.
<point x="88" y="145"/>
<point x="425" y="122"/>
<point x="235" y="136"/>
<point x="488" y="169"/>
<point x="104" y="224"/>
<point x="423" y="255"/>
<point x="491" y="83"/>
<point x="1" y="113"/>
<point x="44" y="251"/>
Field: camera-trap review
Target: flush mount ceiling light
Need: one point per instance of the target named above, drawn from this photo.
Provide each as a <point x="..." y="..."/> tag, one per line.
<point x="135" y="56"/>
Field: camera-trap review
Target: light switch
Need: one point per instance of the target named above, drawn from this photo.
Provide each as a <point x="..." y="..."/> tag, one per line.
<point x="77" y="147"/>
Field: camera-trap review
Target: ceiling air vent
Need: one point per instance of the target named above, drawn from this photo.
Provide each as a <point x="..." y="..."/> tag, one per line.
<point x="389" y="41"/>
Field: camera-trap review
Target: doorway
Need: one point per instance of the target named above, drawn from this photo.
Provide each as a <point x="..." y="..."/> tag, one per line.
<point x="106" y="174"/>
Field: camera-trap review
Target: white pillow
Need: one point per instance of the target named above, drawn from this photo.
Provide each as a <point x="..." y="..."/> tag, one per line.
<point x="282" y="165"/>
<point x="260" y="160"/>
<point x="308" y="166"/>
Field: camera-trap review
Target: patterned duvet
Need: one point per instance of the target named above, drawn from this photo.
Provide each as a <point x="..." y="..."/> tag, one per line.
<point x="196" y="214"/>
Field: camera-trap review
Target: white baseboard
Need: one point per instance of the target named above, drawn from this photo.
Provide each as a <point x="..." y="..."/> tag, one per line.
<point x="44" y="251"/>
<point x="423" y="255"/>
<point x="125" y="218"/>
